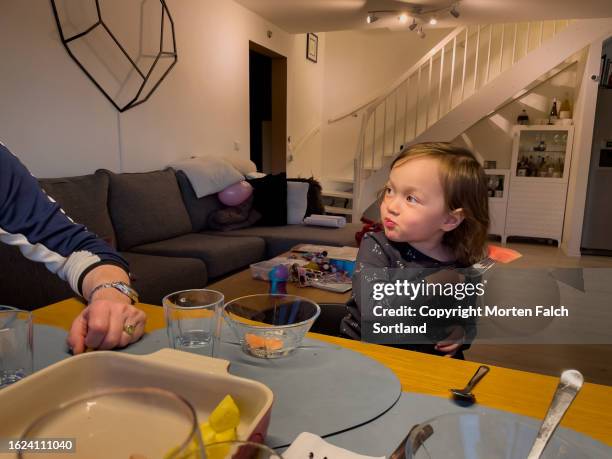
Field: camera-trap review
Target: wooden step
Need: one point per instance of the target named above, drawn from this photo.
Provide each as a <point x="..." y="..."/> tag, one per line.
<point x="337" y="194"/>
<point x="338" y="179"/>
<point x="338" y="210"/>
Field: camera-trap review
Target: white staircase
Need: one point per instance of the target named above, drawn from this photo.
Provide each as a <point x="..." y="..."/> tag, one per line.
<point x="339" y="193"/>
<point x="469" y="75"/>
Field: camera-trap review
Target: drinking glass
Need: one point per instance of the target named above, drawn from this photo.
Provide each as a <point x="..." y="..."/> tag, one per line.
<point x="15" y="345"/>
<point x="121" y="423"/>
<point x="193" y="320"/>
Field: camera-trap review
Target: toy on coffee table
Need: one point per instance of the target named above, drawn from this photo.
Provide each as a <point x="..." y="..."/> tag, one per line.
<point x="279" y="275"/>
<point x="321" y="269"/>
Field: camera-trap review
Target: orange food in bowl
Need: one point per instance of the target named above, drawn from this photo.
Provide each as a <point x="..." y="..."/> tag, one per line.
<point x="260" y="342"/>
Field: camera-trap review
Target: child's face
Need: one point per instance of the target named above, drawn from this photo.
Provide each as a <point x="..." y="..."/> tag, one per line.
<point x="413" y="208"/>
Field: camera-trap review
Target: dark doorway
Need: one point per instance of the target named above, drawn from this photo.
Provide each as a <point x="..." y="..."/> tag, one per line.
<point x="268" y="109"/>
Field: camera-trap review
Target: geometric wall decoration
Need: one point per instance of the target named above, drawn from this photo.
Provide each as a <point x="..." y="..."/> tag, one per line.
<point x="108" y="43"/>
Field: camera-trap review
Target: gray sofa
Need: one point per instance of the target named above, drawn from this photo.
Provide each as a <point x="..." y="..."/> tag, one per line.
<point x="156" y="222"/>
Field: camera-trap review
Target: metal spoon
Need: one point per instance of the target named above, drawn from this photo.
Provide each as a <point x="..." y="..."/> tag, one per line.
<point x="465" y="395"/>
<point x="569" y="385"/>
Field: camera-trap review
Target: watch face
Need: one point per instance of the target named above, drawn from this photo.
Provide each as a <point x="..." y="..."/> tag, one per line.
<point x="127" y="290"/>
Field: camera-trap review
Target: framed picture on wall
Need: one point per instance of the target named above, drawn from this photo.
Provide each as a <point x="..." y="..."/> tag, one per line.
<point x="312" y="47"/>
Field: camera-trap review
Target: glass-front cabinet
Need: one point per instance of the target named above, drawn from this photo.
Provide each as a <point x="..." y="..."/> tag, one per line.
<point x="538" y="182"/>
<point x="542" y="151"/>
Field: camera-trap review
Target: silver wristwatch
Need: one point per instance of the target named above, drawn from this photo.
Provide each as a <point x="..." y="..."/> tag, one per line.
<point x="121" y="286"/>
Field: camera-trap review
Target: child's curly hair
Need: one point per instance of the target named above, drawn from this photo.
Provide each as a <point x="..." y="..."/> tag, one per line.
<point x="465" y="187"/>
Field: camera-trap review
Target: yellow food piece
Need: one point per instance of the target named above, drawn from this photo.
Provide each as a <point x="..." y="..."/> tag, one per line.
<point x="220" y="427"/>
<point x="225" y="416"/>
<point x="208" y="433"/>
<point x="227" y="435"/>
<point x="217" y="451"/>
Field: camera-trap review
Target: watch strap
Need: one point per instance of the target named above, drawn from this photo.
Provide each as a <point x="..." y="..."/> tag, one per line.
<point x="121" y="287"/>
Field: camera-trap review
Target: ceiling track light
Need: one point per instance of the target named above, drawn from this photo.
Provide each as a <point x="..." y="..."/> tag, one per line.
<point x="424" y="15"/>
<point x="420" y="32"/>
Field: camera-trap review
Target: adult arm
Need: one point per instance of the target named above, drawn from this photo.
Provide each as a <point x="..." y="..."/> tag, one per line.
<point x="35" y="223"/>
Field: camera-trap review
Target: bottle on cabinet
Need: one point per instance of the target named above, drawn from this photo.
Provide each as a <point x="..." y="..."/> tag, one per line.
<point x="554" y="114"/>
<point x="523" y="118"/>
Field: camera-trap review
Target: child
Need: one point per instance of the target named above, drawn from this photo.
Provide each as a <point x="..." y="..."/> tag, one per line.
<point x="434" y="211"/>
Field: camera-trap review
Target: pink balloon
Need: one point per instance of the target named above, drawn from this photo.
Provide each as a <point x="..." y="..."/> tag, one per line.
<point x="235" y="194"/>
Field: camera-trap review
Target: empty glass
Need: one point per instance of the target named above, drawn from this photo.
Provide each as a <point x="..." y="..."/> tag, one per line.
<point x="484" y="436"/>
<point x="193" y="320"/>
<point x="122" y="423"/>
<point x="15" y="345"/>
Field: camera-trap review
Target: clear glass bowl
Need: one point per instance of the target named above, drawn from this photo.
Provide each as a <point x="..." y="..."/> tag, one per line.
<point x="270" y="325"/>
<point x="121" y="423"/>
<point x="485" y="436"/>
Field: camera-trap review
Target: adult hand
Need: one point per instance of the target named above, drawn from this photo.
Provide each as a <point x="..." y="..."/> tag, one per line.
<point x="101" y="326"/>
<point x="453" y="342"/>
<point x="110" y="320"/>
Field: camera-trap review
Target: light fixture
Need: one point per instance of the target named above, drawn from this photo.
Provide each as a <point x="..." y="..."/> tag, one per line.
<point x="420" y="32"/>
<point x="371" y="18"/>
<point x="420" y="15"/>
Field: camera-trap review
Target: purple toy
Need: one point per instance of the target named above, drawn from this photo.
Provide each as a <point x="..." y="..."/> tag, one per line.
<point x="278" y="279"/>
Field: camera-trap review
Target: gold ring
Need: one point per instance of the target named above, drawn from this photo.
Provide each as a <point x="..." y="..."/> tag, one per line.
<point x="129" y="329"/>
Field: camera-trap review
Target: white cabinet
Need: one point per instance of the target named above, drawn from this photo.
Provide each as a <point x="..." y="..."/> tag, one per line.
<point x="538" y="181"/>
<point x="497" y="185"/>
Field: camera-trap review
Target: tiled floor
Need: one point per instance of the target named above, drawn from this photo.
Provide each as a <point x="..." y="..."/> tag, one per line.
<point x="594" y="361"/>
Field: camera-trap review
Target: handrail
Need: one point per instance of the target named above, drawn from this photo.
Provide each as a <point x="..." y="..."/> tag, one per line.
<point x="399" y="81"/>
<point x="305" y="138"/>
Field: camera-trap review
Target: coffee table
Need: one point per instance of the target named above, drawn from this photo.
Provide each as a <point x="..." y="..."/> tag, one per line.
<point x="243" y="284"/>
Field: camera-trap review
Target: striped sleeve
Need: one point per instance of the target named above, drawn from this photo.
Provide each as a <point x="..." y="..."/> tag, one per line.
<point x="35" y="223"/>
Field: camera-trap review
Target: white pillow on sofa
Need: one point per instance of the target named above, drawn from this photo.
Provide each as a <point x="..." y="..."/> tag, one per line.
<point x="297" y="202"/>
<point x="243" y="165"/>
<point x="208" y="175"/>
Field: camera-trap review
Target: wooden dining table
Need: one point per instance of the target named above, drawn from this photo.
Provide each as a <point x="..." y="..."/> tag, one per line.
<point x="515" y="391"/>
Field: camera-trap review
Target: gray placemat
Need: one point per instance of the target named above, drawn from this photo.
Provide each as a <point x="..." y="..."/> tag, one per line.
<point x="320" y="388"/>
<point x="381" y="436"/>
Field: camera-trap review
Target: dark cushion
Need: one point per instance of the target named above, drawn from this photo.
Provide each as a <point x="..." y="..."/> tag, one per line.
<point x="29" y="285"/>
<point x="26" y="284"/>
<point x="199" y="209"/>
<point x="146" y="207"/>
<point x="85" y="200"/>
<point x="234" y="217"/>
<point x="280" y="239"/>
<point x="221" y="255"/>
<point x="270" y="201"/>
<point x="154" y="277"/>
<point x="315" y="199"/>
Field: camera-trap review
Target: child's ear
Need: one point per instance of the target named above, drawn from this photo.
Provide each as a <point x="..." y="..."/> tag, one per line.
<point x="453" y="219"/>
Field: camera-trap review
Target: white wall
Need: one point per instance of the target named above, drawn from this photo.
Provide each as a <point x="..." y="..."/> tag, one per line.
<point x="59" y="124"/>
<point x="307" y="109"/>
<point x="359" y="64"/>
